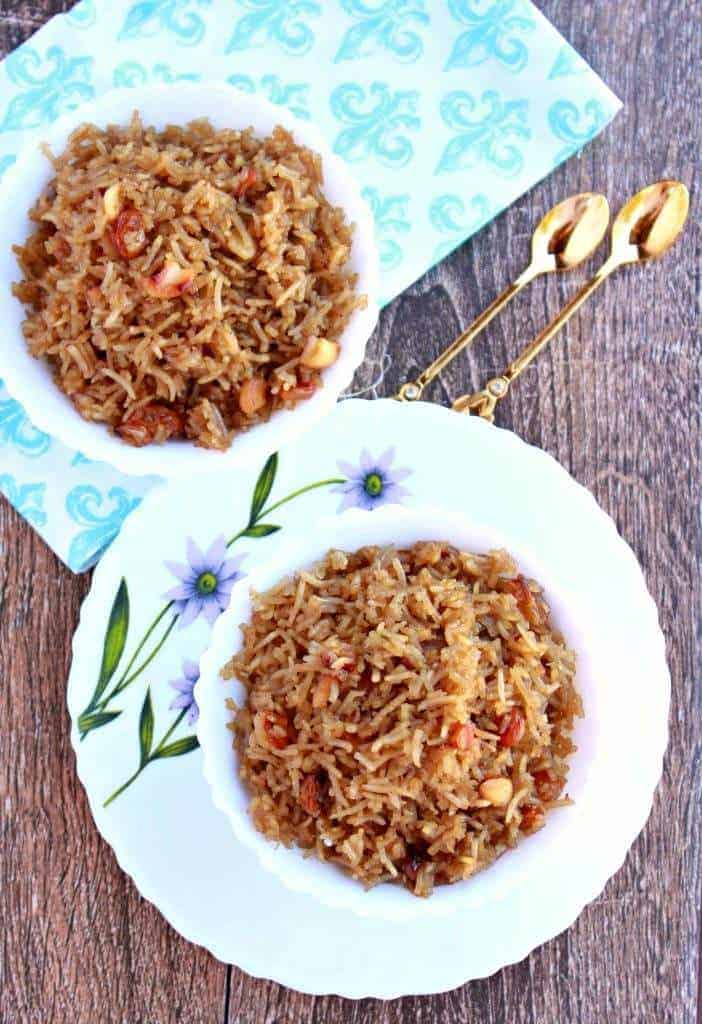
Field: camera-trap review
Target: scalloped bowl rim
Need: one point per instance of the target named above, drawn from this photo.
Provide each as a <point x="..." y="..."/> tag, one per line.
<point x="29" y="380"/>
<point x="591" y="765"/>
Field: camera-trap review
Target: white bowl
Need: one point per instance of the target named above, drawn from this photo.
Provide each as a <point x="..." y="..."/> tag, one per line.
<point x="29" y="380"/>
<point x="600" y="756"/>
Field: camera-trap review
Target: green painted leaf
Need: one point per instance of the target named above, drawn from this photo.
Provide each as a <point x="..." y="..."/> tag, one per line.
<point x="263" y="487"/>
<point x="115" y="639"/>
<point x="182" y="746"/>
<point x="146" y="727"/>
<point x="93" y="720"/>
<point x="260" y="530"/>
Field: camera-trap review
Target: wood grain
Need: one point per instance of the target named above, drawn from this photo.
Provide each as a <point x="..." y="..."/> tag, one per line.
<point x="617" y="400"/>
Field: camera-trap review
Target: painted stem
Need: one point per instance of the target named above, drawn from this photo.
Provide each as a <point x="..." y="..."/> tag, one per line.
<point x="302" y="490"/>
<point x="125" y="785"/>
<point x="152" y="757"/>
<point x="179" y="718"/>
<point x="126" y="680"/>
<point x="284" y="501"/>
<point x="140" y="647"/>
<point x="100" y="706"/>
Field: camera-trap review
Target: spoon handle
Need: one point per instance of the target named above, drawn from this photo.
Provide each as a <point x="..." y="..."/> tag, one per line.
<point x="484" y="402"/>
<point x="528" y="354"/>
<point x="412" y="389"/>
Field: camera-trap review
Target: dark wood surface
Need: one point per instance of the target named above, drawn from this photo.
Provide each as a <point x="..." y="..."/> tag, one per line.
<point x="617" y="401"/>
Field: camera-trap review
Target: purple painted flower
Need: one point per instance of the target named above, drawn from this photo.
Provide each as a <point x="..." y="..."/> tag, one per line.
<point x="205" y="583"/>
<point x="373" y="482"/>
<point x="185" y="699"/>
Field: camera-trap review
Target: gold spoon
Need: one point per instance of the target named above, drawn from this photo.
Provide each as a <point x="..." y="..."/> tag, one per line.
<point x="565" y="237"/>
<point x="644" y="229"/>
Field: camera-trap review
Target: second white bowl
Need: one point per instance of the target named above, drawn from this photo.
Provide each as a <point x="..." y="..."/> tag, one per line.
<point x="591" y="768"/>
<point x="30" y="381"/>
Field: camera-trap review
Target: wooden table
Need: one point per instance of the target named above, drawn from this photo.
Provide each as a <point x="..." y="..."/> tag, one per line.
<point x="617" y="401"/>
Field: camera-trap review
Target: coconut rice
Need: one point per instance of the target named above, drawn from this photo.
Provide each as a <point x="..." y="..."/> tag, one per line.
<point x="185" y="282"/>
<point x="408" y="712"/>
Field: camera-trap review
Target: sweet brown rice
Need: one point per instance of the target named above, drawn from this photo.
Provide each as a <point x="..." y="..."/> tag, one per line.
<point x="408" y="712"/>
<point x="185" y="282"/>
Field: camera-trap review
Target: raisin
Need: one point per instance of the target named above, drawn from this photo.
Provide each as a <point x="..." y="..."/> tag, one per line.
<point x="511" y="727"/>
<point x="276" y="728"/>
<point x="461" y="735"/>
<point x="548" y="785"/>
<point x="532" y="817"/>
<point x="151" y="424"/>
<point x="129" y="233"/>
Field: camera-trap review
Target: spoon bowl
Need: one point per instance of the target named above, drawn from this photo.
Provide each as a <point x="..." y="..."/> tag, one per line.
<point x="650" y="222"/>
<point x="569" y="233"/>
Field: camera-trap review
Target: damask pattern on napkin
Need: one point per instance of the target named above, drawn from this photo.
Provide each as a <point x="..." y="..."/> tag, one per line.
<point x="446" y="111"/>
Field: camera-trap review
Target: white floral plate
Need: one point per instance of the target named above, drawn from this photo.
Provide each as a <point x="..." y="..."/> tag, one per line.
<point x="147" y="620"/>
